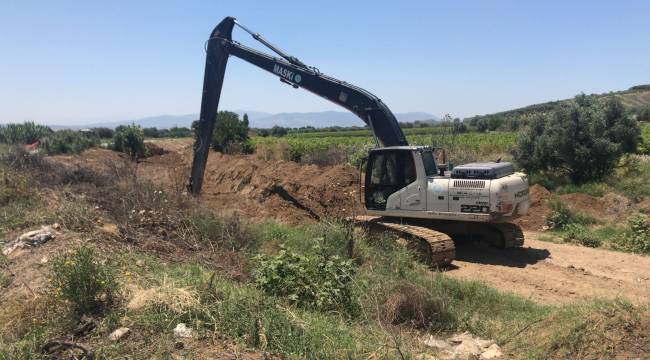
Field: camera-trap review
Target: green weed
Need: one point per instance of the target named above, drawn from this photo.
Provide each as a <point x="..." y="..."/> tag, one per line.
<point x="83" y="279"/>
<point x="313" y="281"/>
<point x="561" y="216"/>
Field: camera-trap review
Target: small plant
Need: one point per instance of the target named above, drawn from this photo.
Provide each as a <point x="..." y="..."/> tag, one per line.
<point x="561" y="216"/>
<point x="312" y="281"/>
<point x="129" y="139"/>
<point x="637" y="238"/>
<point x="221" y="231"/>
<point x="82" y="279"/>
<point x="581" y="235"/>
<point x="417" y="306"/>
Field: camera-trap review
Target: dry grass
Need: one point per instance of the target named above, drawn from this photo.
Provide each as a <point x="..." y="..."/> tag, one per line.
<point x="333" y="155"/>
<point x="176" y="299"/>
<point x="273" y="151"/>
<point x="415" y="306"/>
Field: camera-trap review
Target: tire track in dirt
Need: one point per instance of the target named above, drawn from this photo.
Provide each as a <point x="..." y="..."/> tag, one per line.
<point x="556" y="273"/>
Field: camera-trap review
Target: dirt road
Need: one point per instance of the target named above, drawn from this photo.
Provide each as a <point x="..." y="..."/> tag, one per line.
<point x="556" y="273"/>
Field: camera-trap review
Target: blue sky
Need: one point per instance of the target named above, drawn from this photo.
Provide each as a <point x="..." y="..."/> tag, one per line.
<point x="72" y="62"/>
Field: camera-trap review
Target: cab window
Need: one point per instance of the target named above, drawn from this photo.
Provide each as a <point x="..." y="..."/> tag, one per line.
<point x="429" y="163"/>
<point x="388" y="172"/>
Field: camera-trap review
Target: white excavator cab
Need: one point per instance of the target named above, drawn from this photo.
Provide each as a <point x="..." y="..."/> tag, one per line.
<point x="406" y="182"/>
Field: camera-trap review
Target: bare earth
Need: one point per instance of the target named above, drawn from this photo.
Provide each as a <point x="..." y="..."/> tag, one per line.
<point x="557" y="273"/>
<point x="294" y="193"/>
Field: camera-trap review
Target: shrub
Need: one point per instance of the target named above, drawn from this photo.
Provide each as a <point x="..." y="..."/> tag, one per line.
<point x="67" y="142"/>
<point x="333" y="155"/>
<point x="273" y="151"/>
<point x="313" y="281"/>
<point x="596" y="189"/>
<point x="129" y="139"/>
<point x="561" y="216"/>
<point x="151" y="132"/>
<point x="583" y="140"/>
<point x="104" y="132"/>
<point x="25" y="133"/>
<point x="278" y="131"/>
<point x="637" y="237"/>
<point x="229" y="130"/>
<point x="81" y="278"/>
<point x="580" y="234"/>
<point x="416" y="306"/>
<point x="221" y="232"/>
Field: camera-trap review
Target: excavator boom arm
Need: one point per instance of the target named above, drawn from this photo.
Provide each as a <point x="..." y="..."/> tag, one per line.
<point x="292" y="71"/>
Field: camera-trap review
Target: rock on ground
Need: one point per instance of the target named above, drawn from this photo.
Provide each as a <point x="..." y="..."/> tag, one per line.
<point x="182" y="331"/>
<point x="30" y="239"/>
<point x="492" y="352"/>
<point x="463" y="346"/>
<point x="119" y="334"/>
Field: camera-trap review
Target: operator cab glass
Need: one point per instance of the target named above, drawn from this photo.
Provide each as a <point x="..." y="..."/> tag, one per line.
<point x="388" y="171"/>
<point x="429" y="163"/>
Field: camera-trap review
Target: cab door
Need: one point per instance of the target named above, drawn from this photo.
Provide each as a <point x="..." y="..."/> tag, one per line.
<point x="413" y="195"/>
<point x="392" y="181"/>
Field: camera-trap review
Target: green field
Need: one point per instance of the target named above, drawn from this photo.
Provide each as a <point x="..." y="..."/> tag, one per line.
<point x="467" y="146"/>
<point x="358" y="141"/>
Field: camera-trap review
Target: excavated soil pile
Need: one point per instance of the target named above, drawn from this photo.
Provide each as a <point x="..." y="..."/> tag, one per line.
<point x="286" y="191"/>
<point x="256" y="189"/>
<point x="539" y="208"/>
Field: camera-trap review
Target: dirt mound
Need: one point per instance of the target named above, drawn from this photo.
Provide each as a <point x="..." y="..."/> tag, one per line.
<point x="259" y="189"/>
<point x="610" y="207"/>
<point x="153" y="149"/>
<point x="286" y="191"/>
<point x="539" y="198"/>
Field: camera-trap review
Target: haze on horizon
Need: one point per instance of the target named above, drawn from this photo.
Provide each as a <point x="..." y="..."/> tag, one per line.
<point x="72" y="62"/>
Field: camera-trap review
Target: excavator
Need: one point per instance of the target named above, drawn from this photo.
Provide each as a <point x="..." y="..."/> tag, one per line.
<point x="405" y="189"/>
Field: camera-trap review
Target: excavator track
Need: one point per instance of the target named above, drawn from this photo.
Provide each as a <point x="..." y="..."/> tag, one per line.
<point x="436" y="249"/>
<point x="511" y="234"/>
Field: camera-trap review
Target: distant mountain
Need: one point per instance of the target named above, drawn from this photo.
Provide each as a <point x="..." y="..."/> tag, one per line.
<point x="262" y="120"/>
<point x="161" y="121"/>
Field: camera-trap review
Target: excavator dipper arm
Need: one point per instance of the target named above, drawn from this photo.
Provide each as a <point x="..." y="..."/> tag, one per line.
<point x="290" y="70"/>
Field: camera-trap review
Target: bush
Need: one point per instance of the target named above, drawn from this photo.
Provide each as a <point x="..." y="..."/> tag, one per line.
<point x="583" y="140"/>
<point x="312" y="281"/>
<point x="67" y="142"/>
<point x="637" y="237"/>
<point x="25" y="133"/>
<point x="221" y="232"/>
<point x="580" y="234"/>
<point x="104" y="132"/>
<point x="416" y="306"/>
<point x="130" y="140"/>
<point x="278" y="131"/>
<point x="333" y="155"/>
<point x="561" y="216"/>
<point x="81" y="278"/>
<point x="229" y="130"/>
<point x="459" y="127"/>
